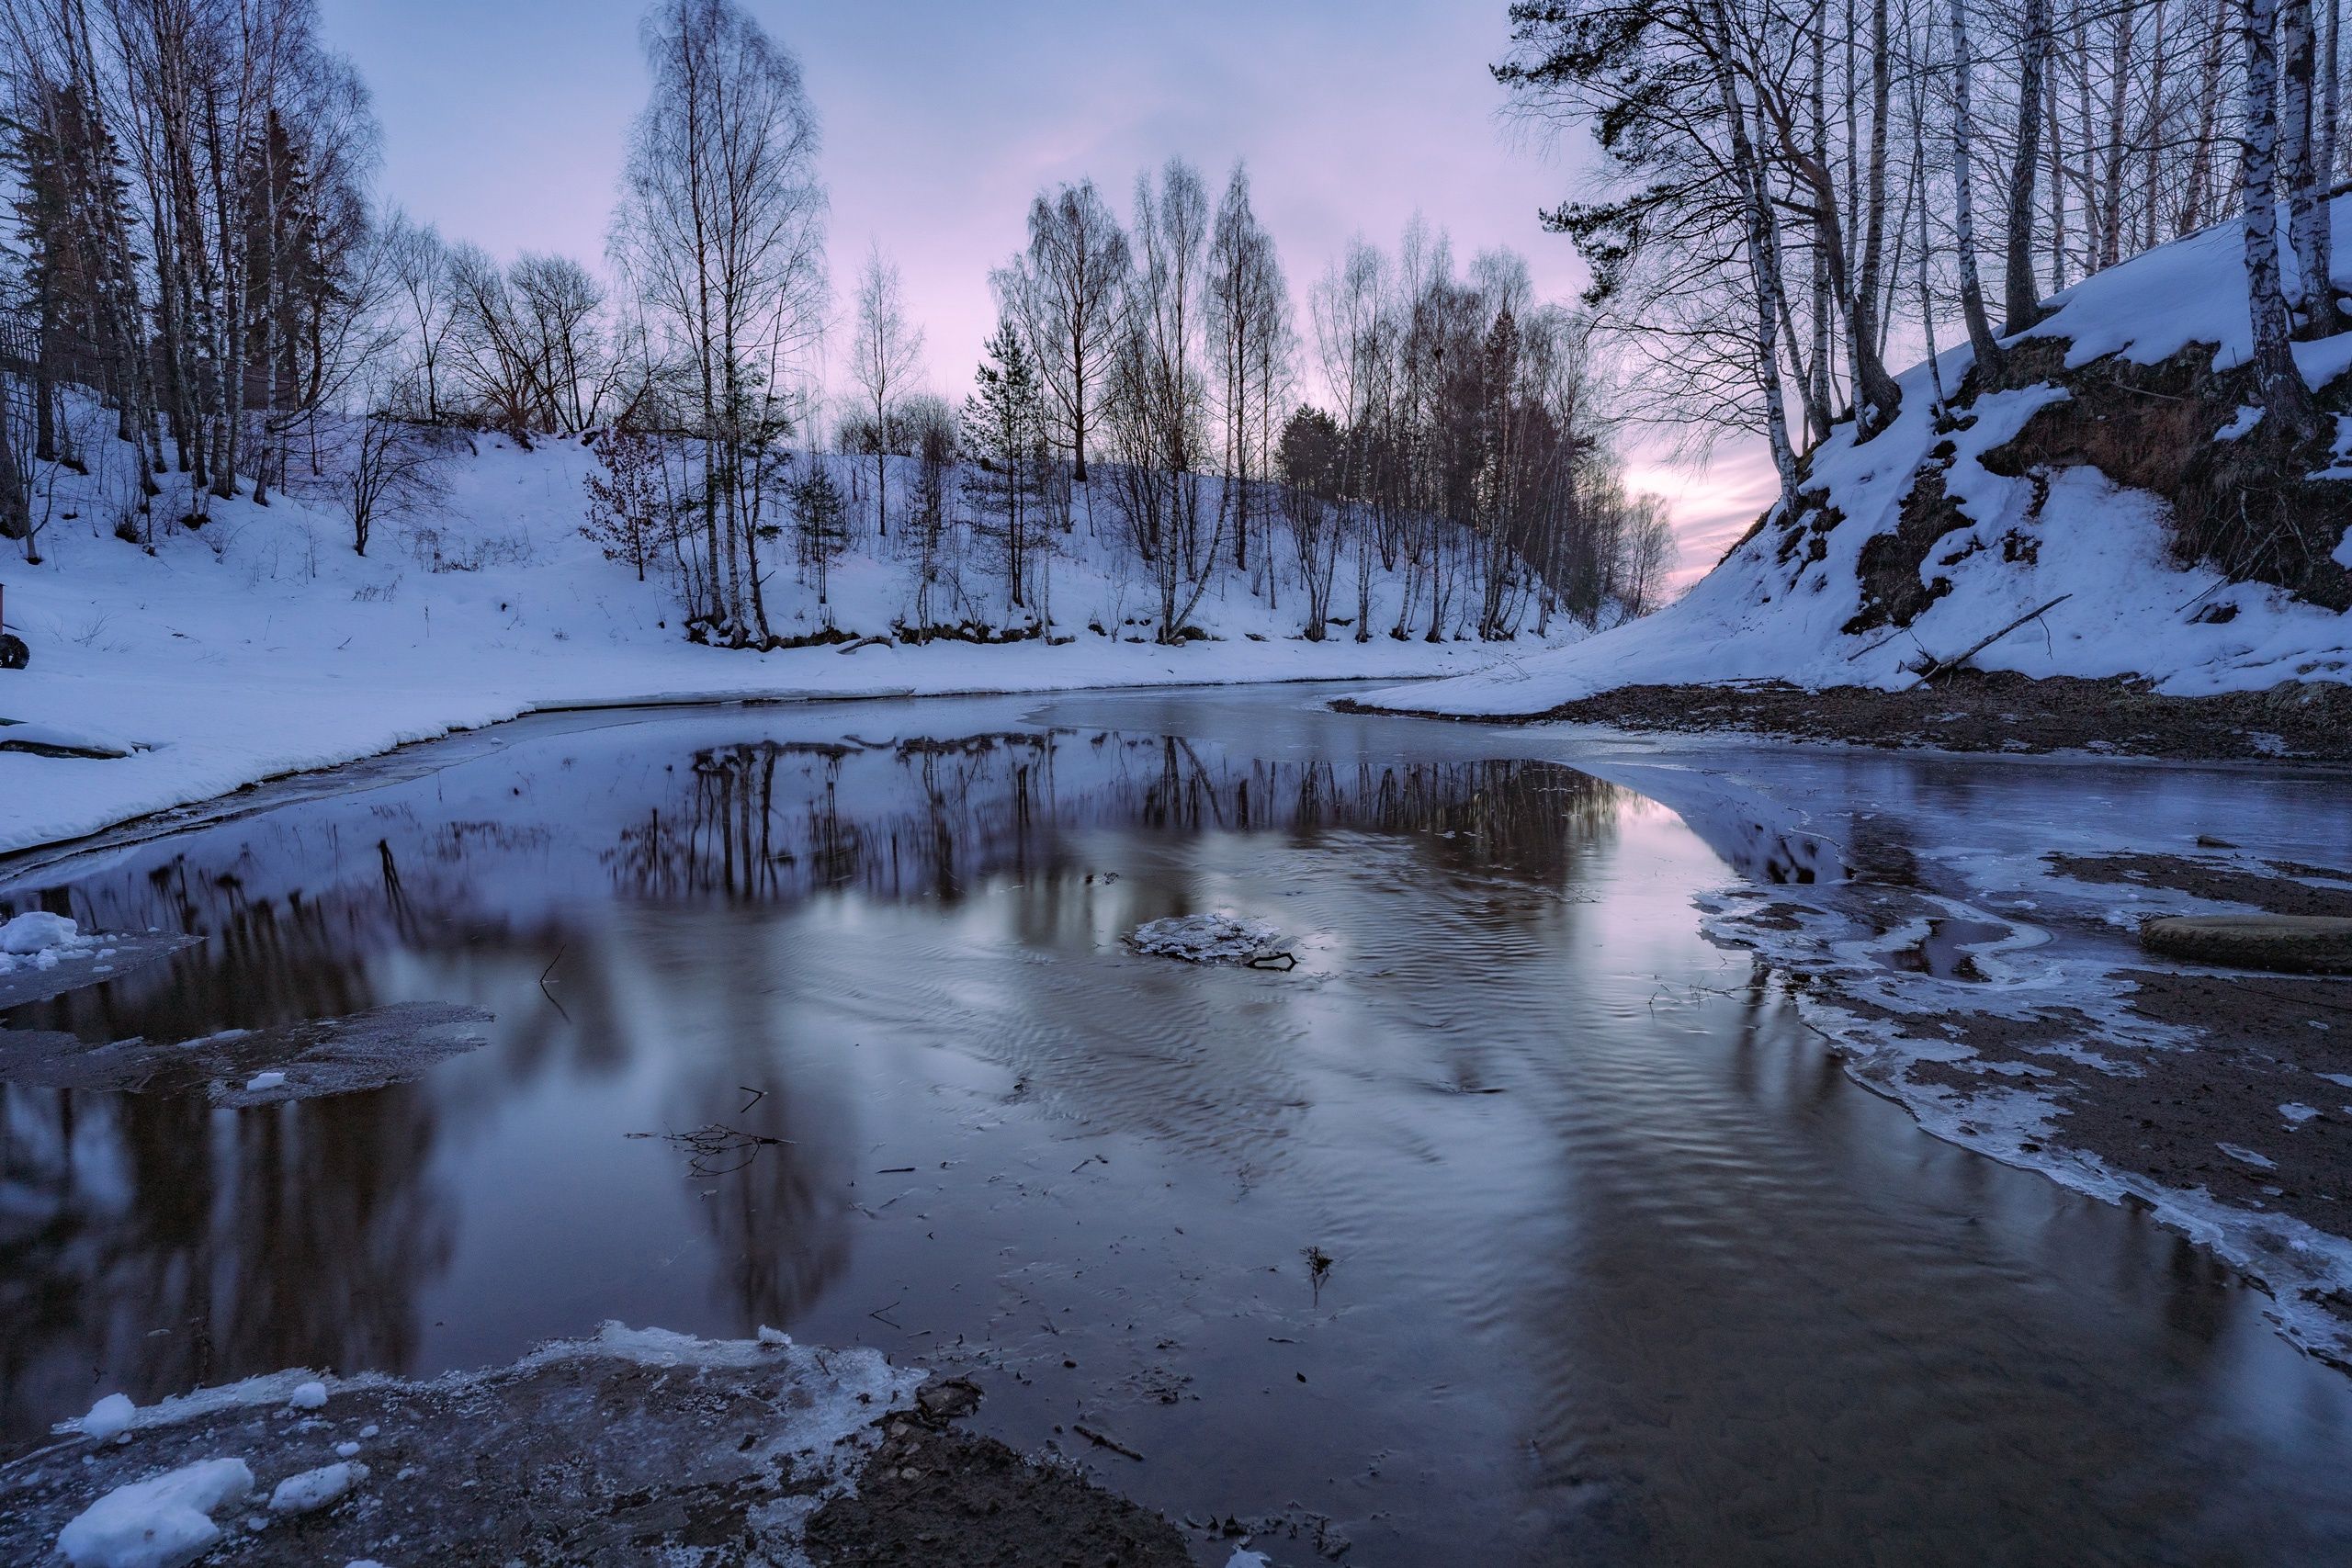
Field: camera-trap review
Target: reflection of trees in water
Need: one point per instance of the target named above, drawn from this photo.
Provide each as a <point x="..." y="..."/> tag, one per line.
<point x="770" y="820"/>
<point x="294" y="955"/>
<point x="177" y="1246"/>
<point x="304" y="1233"/>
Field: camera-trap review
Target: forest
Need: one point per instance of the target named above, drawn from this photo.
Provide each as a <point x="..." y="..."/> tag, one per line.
<point x="1792" y="197"/>
<point x="199" y="251"/>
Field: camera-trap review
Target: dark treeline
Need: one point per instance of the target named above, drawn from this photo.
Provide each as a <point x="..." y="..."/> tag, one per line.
<point x="189" y="184"/>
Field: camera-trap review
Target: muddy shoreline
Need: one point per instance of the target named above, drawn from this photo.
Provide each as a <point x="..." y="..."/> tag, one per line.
<point x="1971" y="711"/>
<point x="2215" y="1084"/>
<point x="634" y="1447"/>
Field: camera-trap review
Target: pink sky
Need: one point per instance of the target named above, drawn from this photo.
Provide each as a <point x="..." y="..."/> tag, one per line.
<point x="504" y="125"/>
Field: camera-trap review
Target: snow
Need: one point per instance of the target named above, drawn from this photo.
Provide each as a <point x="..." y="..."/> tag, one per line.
<point x="35" y="931"/>
<point x="260" y="644"/>
<point x="260" y="1081"/>
<point x="18" y="736"/>
<point x="1219" y="938"/>
<point x="108" y="1418"/>
<point x="1246" y="1559"/>
<point x="158" y="1523"/>
<point x="346" y="1451"/>
<point x="316" y="1489"/>
<point x="1759" y="617"/>
<point x="310" y="1396"/>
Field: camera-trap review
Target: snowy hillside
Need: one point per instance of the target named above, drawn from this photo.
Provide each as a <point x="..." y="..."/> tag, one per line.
<point x="258" y="643"/>
<point x="2104" y="471"/>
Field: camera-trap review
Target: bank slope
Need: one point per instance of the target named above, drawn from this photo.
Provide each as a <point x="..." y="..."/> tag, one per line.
<point x="2113" y="470"/>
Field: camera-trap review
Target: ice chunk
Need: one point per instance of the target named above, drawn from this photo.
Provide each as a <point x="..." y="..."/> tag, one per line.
<point x="108" y="1418"/>
<point x="1245" y="1559"/>
<point x="316" y="1489"/>
<point x="260" y="1081"/>
<point x="35" y="931"/>
<point x="158" y="1523"/>
<point x="1219" y="937"/>
<point x="346" y="1451"/>
<point x="311" y="1395"/>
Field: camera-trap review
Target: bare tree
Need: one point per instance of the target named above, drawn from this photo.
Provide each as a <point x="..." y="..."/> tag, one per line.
<point x="1070" y="295"/>
<point x="883" y="357"/>
<point x="419" y="263"/>
<point x="558" y="310"/>
<point x="1248" y="337"/>
<point x="382" y="466"/>
<point x="1963" y="175"/>
<point x="721" y="232"/>
<point x="1157" y="399"/>
<point x="2021" y="306"/>
<point x="491" y="349"/>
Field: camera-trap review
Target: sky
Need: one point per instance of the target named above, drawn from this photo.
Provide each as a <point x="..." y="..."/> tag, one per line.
<point x="504" y="123"/>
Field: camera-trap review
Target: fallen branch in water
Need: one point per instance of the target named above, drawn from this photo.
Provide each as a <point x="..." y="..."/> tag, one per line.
<point x="1099" y="1441"/>
<point x="707" y="1145"/>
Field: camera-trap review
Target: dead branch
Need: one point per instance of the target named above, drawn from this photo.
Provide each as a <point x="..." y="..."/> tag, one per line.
<point x="1936" y="667"/>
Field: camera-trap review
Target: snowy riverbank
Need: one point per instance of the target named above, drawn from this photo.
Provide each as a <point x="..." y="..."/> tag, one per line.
<point x="2027" y="528"/>
<point x="259" y="644"/>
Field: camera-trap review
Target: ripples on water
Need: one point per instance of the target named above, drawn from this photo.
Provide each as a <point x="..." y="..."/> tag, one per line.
<point x="1625" y="1270"/>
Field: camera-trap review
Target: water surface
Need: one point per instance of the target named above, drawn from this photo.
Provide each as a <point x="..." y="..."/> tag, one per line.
<point x="1624" y="1269"/>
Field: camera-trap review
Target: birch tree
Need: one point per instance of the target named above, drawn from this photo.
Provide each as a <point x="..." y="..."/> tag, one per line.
<point x="883" y="356"/>
<point x="720" y="231"/>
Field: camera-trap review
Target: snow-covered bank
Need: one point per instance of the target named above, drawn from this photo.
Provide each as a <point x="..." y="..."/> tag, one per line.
<point x="259" y="644"/>
<point x="1930" y="537"/>
<point x="555" y="1458"/>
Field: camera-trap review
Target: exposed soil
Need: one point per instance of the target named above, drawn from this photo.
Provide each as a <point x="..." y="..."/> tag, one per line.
<point x="1997" y="712"/>
<point x="947" y="1499"/>
<point x="600" y="1458"/>
<point x="2284" y="894"/>
<point x="2191" y="1115"/>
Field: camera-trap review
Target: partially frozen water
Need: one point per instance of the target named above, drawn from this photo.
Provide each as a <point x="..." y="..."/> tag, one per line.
<point x="1517" y="1222"/>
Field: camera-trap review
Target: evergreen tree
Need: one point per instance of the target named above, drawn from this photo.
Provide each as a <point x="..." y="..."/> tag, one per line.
<point x="1004" y="425"/>
<point x="820" y="519"/>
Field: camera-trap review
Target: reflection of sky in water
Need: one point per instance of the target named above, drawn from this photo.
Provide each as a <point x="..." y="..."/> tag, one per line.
<point x="1626" y="1270"/>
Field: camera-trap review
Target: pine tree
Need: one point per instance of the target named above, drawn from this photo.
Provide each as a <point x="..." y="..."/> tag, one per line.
<point x="820" y="519"/>
<point x="1004" y="423"/>
<point x="629" y="514"/>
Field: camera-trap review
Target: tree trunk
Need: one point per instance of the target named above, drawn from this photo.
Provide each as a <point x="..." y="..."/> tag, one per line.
<point x="1764" y="264"/>
<point x="2285" y="397"/>
<point x="2307" y="213"/>
<point x="1972" y="287"/>
<point x="2023" y="306"/>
